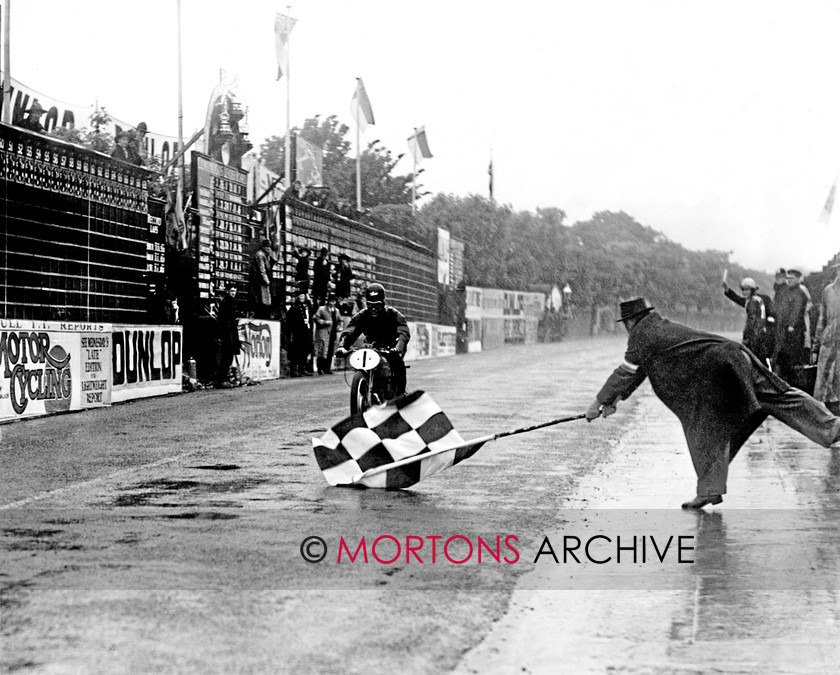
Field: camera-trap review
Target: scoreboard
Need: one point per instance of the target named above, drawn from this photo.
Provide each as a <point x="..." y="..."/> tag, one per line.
<point x="220" y="200"/>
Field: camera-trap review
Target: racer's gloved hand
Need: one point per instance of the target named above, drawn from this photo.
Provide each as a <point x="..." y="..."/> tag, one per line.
<point x="608" y="409"/>
<point x="400" y="348"/>
<point x="341" y="352"/>
<point x="594" y="411"/>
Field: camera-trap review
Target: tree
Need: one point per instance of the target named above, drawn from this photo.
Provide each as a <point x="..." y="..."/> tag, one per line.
<point x="93" y="138"/>
<point x="379" y="185"/>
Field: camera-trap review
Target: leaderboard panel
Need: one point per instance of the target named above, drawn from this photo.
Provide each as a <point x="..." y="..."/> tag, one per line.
<point x="223" y="232"/>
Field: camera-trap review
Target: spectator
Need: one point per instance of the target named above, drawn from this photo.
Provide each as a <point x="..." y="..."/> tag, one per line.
<point x="122" y="150"/>
<point x="137" y="143"/>
<point x="321" y="277"/>
<point x="760" y="325"/>
<point x="719" y="390"/>
<point x="260" y="281"/>
<point x="343" y="277"/>
<point x="326" y="327"/>
<point x="32" y="121"/>
<point x="227" y="320"/>
<point x="360" y="303"/>
<point x="302" y="269"/>
<point x="793" y="346"/>
<point x="827" y="342"/>
<point x="300" y="335"/>
<point x="291" y="192"/>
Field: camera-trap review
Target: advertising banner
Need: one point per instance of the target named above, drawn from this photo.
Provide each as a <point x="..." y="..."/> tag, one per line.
<point x="42" y="367"/>
<point x="259" y="354"/>
<point x="443" y="256"/>
<point x="145" y="361"/>
<point x="443" y="340"/>
<point x="94" y="369"/>
<point x="420" y="345"/>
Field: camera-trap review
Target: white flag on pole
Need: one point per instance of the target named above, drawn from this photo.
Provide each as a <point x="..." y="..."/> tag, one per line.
<point x="360" y="106"/>
<point x="282" y="29"/>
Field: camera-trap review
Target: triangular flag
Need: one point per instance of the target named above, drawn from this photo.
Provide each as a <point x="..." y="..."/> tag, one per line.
<point x="360" y="106"/>
<point x="282" y="29"/>
<point x="419" y="145"/>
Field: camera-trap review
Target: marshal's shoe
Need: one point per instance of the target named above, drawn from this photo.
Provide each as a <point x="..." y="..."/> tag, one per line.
<point x="703" y="500"/>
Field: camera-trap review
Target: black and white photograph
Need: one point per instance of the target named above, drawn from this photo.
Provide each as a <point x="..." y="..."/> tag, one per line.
<point x="445" y="337"/>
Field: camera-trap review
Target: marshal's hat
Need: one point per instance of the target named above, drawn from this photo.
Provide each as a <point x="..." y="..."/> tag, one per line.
<point x="633" y="308"/>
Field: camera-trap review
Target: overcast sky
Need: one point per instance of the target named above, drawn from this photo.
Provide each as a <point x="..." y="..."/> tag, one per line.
<point x="715" y="122"/>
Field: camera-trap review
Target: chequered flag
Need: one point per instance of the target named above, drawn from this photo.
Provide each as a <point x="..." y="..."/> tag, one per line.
<point x="412" y="425"/>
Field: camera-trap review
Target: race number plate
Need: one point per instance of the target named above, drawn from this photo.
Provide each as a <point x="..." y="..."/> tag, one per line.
<point x="364" y="359"/>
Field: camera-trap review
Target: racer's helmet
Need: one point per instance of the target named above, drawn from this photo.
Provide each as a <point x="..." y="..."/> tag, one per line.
<point x="375" y="293"/>
<point x="375" y="298"/>
<point x="748" y="283"/>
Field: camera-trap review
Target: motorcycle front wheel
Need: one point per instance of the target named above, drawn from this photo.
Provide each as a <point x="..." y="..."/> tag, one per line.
<point x="359" y="392"/>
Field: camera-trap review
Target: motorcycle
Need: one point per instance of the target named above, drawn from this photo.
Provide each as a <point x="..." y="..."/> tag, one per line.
<point x="373" y="380"/>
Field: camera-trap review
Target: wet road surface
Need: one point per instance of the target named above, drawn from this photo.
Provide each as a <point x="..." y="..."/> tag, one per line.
<point x="164" y="536"/>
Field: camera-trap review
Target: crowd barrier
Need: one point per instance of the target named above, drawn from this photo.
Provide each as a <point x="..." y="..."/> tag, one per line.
<point x="48" y="367"/>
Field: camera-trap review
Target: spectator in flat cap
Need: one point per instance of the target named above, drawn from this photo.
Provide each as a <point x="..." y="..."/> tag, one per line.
<point x="302" y="269"/>
<point x="326" y="327"/>
<point x="793" y="341"/>
<point x="227" y="319"/>
<point x="259" y="281"/>
<point x="343" y="278"/>
<point x="321" y="276"/>
<point x="299" y="326"/>
<point x="718" y="389"/>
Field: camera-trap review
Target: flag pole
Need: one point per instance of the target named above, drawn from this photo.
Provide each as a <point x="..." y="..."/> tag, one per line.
<point x="491" y="176"/>
<point x="288" y="146"/>
<point x="180" y="108"/>
<point x="7" y="71"/>
<point x="358" y="151"/>
<point x="414" y="176"/>
<point x="475" y="441"/>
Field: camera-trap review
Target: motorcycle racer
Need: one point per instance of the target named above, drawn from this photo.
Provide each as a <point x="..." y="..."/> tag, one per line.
<point x="384" y="327"/>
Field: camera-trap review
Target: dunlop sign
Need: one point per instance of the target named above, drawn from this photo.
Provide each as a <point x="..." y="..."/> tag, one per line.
<point x="145" y="361"/>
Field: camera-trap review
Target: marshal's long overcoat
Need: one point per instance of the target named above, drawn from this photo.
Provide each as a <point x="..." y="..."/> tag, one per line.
<point x="706" y="380"/>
